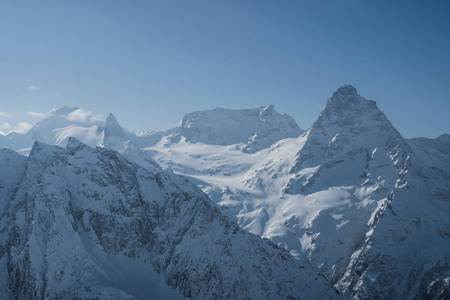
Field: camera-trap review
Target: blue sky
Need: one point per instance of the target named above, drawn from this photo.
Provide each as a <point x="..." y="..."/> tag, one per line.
<point x="150" y="62"/>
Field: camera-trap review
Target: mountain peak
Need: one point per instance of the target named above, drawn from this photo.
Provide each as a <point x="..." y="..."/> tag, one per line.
<point x="113" y="127"/>
<point x="346" y="106"/>
<point x="43" y="150"/>
<point x="111" y="119"/>
<point x="347" y="120"/>
<point x="73" y="143"/>
<point x="346" y="90"/>
<point x="114" y="135"/>
<point x="270" y="107"/>
<point x="344" y="98"/>
<point x="260" y="127"/>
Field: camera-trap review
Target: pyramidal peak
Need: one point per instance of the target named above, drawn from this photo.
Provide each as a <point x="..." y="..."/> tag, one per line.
<point x="348" y="123"/>
<point x="73" y="143"/>
<point x="113" y="127"/>
<point x="111" y="119"/>
<point x="346" y="90"/>
<point x="41" y="149"/>
<point x="347" y="98"/>
<point x="114" y="136"/>
<point x="266" y="111"/>
<point x="346" y="108"/>
<point x="271" y="107"/>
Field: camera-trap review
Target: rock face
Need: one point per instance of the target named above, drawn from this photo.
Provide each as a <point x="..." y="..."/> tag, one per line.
<point x="256" y="128"/>
<point x="84" y="223"/>
<point x="406" y="249"/>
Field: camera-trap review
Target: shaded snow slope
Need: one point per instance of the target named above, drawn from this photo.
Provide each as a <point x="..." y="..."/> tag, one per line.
<point x="87" y="223"/>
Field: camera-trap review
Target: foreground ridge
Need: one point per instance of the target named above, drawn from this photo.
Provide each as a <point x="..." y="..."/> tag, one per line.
<point x="85" y="222"/>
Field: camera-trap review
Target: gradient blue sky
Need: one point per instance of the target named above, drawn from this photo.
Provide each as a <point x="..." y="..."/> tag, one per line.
<point x="150" y="62"/>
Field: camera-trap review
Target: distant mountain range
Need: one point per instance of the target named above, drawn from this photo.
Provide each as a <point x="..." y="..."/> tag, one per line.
<point x="353" y="204"/>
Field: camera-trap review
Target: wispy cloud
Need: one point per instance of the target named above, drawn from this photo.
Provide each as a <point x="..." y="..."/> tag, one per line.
<point x="5" y="127"/>
<point x="36" y="114"/>
<point x="33" y="88"/>
<point x="3" y="114"/>
<point x="83" y="116"/>
<point x="21" y="127"/>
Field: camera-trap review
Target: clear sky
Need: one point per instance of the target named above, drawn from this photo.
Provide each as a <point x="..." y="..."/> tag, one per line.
<point x="150" y="62"/>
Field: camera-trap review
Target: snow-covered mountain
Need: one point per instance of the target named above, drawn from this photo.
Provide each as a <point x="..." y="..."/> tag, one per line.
<point x="251" y="129"/>
<point x="366" y="207"/>
<point x="64" y="122"/>
<point x="85" y="222"/>
<point x="320" y="195"/>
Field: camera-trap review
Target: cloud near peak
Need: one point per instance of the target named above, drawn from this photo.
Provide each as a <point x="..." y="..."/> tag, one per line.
<point x="36" y="114"/>
<point x="21" y="127"/>
<point x="83" y="116"/>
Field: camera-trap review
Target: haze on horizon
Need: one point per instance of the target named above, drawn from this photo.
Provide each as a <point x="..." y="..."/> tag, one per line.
<point x="151" y="62"/>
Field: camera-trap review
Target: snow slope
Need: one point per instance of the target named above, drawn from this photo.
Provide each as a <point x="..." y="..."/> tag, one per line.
<point x="85" y="222"/>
